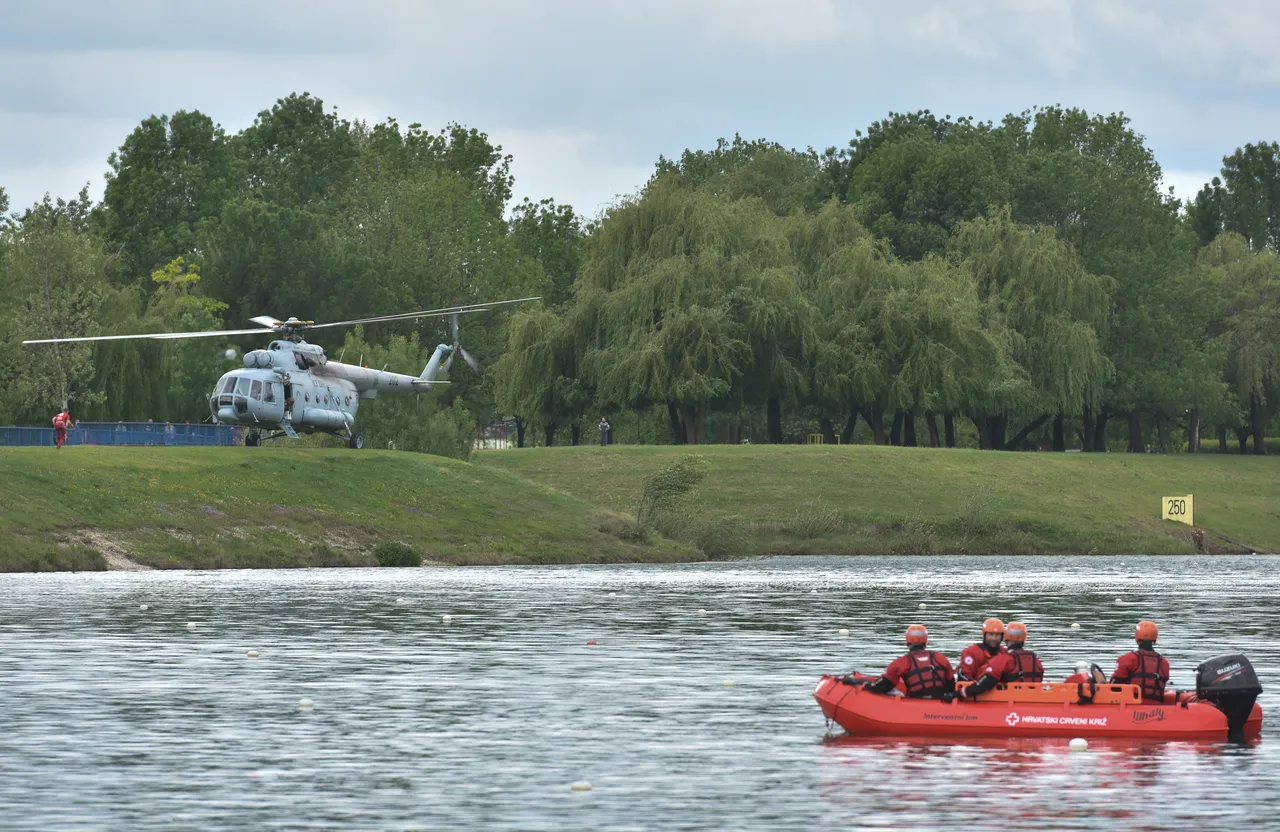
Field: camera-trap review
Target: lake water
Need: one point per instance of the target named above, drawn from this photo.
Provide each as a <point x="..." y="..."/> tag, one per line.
<point x="119" y="718"/>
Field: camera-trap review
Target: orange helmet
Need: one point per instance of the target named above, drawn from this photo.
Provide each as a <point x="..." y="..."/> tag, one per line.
<point x="993" y="625"/>
<point x="1015" y="632"/>
<point x="1147" y="631"/>
<point x="917" y="634"/>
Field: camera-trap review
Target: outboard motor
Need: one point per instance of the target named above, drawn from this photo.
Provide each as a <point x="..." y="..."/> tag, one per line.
<point x="1231" y="685"/>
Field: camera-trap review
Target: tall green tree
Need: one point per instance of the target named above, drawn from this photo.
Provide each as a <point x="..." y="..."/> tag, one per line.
<point x="171" y="173"/>
<point x="51" y="281"/>
<point x="389" y="153"/>
<point x="554" y="236"/>
<point x="1245" y="200"/>
<point x="298" y="154"/>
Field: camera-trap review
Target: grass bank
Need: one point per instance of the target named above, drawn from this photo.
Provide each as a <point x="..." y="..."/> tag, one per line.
<point x="867" y="499"/>
<point x="92" y="507"/>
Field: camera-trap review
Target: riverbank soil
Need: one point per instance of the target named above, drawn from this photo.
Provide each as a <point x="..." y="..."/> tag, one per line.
<point x="869" y="499"/>
<point x="94" y="508"/>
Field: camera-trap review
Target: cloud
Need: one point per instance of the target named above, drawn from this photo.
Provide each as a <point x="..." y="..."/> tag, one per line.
<point x="577" y="166"/>
<point x="588" y="94"/>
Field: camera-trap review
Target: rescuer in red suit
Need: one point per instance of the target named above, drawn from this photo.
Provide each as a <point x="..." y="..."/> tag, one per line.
<point x="1017" y="665"/>
<point x="1144" y="667"/>
<point x="926" y="674"/>
<point x="975" y="657"/>
<point x="61" y="423"/>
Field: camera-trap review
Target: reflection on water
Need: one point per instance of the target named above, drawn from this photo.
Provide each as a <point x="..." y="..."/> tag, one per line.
<point x="117" y="717"/>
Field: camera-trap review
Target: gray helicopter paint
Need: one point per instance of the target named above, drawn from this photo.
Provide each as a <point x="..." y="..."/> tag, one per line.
<point x="323" y="394"/>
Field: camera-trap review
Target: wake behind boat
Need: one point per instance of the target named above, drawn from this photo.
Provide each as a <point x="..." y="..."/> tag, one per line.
<point x="1222" y="707"/>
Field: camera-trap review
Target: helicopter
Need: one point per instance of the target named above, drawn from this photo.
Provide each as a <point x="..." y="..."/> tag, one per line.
<point x="291" y="387"/>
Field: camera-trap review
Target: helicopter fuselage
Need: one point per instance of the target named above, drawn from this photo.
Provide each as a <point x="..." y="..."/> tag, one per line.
<point x="293" y="384"/>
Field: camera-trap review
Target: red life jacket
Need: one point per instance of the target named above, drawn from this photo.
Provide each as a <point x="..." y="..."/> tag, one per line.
<point x="1024" y="668"/>
<point x="1147" y="674"/>
<point x="924" y="679"/>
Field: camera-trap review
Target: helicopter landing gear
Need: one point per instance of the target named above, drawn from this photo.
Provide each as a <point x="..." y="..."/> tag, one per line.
<point x="252" y="439"/>
<point x="356" y="441"/>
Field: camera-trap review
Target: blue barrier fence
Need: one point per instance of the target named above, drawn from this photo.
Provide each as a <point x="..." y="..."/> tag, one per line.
<point x="128" y="433"/>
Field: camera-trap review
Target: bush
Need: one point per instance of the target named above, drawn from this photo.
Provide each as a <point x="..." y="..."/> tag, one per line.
<point x="394" y="553"/>
<point x="813" y="520"/>
<point x="723" y="537"/>
<point x="666" y="485"/>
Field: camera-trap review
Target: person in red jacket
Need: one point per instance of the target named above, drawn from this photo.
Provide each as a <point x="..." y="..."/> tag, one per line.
<point x="1144" y="667"/>
<point x="975" y="657"/>
<point x="926" y="674"/>
<point x="1017" y="665"/>
<point x="61" y="423"/>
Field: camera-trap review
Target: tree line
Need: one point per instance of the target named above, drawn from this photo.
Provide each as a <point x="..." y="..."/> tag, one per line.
<point x="937" y="282"/>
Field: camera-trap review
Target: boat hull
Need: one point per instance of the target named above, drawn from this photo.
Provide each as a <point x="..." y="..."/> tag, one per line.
<point x="872" y="714"/>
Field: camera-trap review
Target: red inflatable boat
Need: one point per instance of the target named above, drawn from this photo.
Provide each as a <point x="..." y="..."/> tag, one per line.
<point x="1223" y="707"/>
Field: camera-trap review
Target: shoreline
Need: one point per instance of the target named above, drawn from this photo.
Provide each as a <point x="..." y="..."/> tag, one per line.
<point x="99" y="508"/>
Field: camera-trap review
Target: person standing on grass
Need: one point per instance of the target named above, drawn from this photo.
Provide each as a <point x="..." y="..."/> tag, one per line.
<point x="61" y="423"/>
<point x="604" y="431"/>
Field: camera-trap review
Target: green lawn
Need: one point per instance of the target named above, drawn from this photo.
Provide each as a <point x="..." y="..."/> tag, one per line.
<point x="290" y="506"/>
<point x="862" y="499"/>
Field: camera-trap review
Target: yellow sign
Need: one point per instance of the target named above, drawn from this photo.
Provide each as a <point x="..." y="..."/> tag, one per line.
<point x="1177" y="509"/>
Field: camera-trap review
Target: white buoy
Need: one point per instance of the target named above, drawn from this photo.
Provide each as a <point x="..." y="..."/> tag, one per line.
<point x="729" y="683"/>
<point x="922" y="605"/>
<point x="143" y="607"/>
<point x="844" y="633"/>
<point x="253" y="654"/>
<point x="1075" y="626"/>
<point x="191" y="625"/>
<point x="702" y="612"/>
<point x="580" y="786"/>
<point x="1078" y="744"/>
<point x="446" y="618"/>
<point x="1118" y="601"/>
<point x="304" y="703"/>
<point x="401" y="601"/>
<point x="613" y="595"/>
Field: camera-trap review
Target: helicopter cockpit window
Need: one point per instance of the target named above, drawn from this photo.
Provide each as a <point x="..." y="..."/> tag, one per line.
<point x="242" y="387"/>
<point x="228" y="385"/>
<point x="255" y="392"/>
<point x="301" y="362"/>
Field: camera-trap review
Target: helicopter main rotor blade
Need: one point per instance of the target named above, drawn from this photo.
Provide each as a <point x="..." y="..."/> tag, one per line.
<point x="266" y="320"/>
<point x="167" y="336"/>
<point x="428" y="313"/>
<point x="466" y="356"/>
<point x="153" y="336"/>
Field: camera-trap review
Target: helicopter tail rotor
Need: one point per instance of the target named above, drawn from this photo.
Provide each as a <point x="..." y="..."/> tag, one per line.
<point x="458" y="349"/>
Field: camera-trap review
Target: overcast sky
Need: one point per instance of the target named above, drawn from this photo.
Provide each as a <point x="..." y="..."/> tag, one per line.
<point x="587" y="93"/>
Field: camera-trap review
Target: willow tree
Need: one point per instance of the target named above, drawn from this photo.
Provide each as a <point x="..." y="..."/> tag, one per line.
<point x="537" y="379"/>
<point x="680" y="278"/>
<point x="899" y="338"/>
<point x="1052" y="313"/>
<point x="1248" y="283"/>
